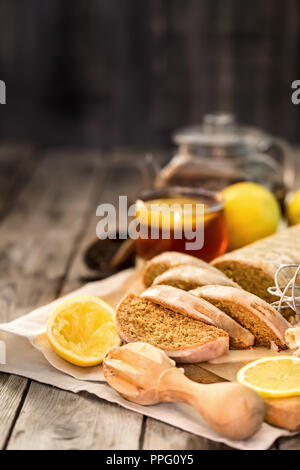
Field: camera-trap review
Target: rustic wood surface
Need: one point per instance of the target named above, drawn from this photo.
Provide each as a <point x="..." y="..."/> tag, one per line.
<point x="47" y="219"/>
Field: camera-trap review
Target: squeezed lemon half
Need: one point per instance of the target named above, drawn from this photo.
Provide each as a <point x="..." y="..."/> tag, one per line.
<point x="274" y="376"/>
<point x="82" y="330"/>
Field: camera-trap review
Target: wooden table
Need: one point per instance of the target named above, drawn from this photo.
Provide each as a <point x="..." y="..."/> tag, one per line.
<point x="48" y="201"/>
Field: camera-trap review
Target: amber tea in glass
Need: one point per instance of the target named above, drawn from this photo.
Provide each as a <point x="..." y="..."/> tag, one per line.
<point x="212" y="219"/>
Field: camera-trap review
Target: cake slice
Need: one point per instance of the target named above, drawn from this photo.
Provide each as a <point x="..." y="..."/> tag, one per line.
<point x="189" y="277"/>
<point x="267" y="325"/>
<point x="186" y="304"/>
<point x="167" y="260"/>
<point x="253" y="267"/>
<point x="181" y="337"/>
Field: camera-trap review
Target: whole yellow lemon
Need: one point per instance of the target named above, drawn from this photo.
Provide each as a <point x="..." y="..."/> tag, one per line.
<point x="293" y="208"/>
<point x="252" y="212"/>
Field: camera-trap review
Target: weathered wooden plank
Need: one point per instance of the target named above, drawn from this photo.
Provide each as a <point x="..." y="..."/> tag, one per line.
<point x="36" y="243"/>
<point x="16" y="299"/>
<point x="12" y="389"/>
<point x="46" y="219"/>
<point x="55" y="419"/>
<point x="288" y="443"/>
<point x="17" y="163"/>
<point x="162" y="436"/>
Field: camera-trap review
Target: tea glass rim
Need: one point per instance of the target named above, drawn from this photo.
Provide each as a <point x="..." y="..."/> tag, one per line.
<point x="177" y="191"/>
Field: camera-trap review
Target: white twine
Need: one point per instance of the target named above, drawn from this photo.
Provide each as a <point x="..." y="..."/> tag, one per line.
<point x="287" y="301"/>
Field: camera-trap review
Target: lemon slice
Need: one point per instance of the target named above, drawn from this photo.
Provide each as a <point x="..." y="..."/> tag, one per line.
<point x="175" y="213"/>
<point x="274" y="376"/>
<point x="82" y="330"/>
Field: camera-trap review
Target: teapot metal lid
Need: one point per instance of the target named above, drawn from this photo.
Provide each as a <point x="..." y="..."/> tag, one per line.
<point x="220" y="129"/>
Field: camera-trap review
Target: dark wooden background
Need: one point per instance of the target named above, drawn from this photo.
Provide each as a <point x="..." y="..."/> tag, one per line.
<point x="128" y="72"/>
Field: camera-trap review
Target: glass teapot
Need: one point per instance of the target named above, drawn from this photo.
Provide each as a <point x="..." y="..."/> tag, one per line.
<point x="220" y="152"/>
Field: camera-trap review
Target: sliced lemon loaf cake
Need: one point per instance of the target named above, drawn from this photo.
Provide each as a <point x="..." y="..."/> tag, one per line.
<point x="181" y="337"/>
<point x="186" y="304"/>
<point x="265" y="323"/>
<point x="167" y="260"/>
<point x="189" y="277"/>
<point x="253" y="267"/>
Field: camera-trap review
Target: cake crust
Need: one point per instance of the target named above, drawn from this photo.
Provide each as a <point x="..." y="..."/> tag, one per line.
<point x="264" y="322"/>
<point x="188" y="277"/>
<point x="254" y="266"/>
<point x="181" y="337"/>
<point x="167" y="260"/>
<point x="190" y="305"/>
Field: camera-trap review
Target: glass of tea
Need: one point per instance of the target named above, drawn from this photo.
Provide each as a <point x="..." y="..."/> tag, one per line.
<point x="181" y="219"/>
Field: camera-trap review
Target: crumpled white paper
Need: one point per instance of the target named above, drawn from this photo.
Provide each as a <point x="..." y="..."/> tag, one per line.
<point x="28" y="354"/>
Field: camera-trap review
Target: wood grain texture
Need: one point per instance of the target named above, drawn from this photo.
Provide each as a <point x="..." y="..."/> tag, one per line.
<point x="81" y="421"/>
<point x="36" y="242"/>
<point x="12" y="389"/>
<point x="58" y="420"/>
<point x="288" y="443"/>
<point x="162" y="436"/>
<point x="16" y="164"/>
<point x="37" y="237"/>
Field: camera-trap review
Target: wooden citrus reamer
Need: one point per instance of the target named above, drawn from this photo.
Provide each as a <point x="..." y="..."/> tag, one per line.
<point x="145" y="375"/>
